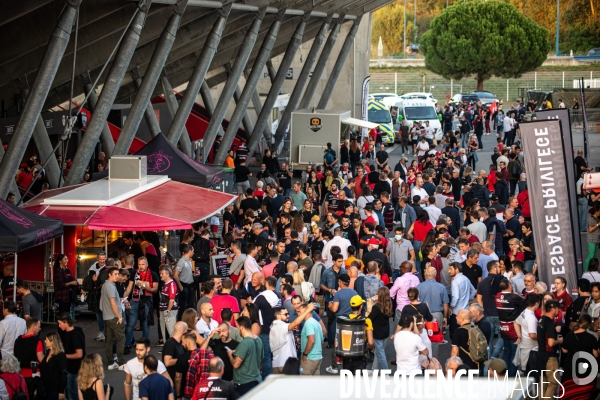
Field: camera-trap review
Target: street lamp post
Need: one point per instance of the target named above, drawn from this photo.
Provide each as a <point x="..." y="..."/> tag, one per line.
<point x="557" y="24"/>
<point x="404" y="29"/>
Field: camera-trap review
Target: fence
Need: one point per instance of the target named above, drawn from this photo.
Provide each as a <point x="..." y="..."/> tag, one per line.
<point x="506" y="89"/>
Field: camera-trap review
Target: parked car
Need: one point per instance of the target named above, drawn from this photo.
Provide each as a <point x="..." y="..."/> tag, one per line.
<point x="594" y="52"/>
<point x="460" y="97"/>
<point x="419" y="95"/>
<point x="486" y="98"/>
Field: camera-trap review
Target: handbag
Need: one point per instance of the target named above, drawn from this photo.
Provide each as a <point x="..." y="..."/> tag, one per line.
<point x="434" y="332"/>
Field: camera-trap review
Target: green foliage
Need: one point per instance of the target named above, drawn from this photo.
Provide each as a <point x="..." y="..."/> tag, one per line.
<point x="483" y="39"/>
<point x="388" y="23"/>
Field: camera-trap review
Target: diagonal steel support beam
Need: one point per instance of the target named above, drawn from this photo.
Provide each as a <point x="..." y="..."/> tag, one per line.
<point x="39" y="90"/>
<point x="301" y="82"/>
<point x="14" y="189"/>
<point x="286" y="61"/>
<point x="249" y="91"/>
<point x="339" y="64"/>
<point x="246" y="121"/>
<point x="237" y="69"/>
<point x="141" y="105"/>
<point x="149" y="115"/>
<point x="106" y="139"/>
<point x="44" y="147"/>
<point x="320" y="67"/>
<point x="258" y="105"/>
<point x="173" y="105"/>
<point x="206" y="56"/>
<point x="107" y="96"/>
<point x="209" y="104"/>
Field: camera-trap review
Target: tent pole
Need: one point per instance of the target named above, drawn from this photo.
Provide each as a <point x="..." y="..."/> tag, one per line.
<point x="15" y="279"/>
<point x="106" y="242"/>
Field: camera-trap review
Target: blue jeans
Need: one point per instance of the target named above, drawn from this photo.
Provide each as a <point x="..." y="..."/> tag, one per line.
<point x="71" y="388"/>
<point x="267" y="357"/>
<point x="417" y="246"/>
<point x="395" y="275"/>
<point x="494" y="352"/>
<point x="583" y="212"/>
<point x="286" y="192"/>
<point x="508" y="354"/>
<point x="132" y="319"/>
<point x="499" y="252"/>
<point x="380" y="361"/>
<point x="100" y="320"/>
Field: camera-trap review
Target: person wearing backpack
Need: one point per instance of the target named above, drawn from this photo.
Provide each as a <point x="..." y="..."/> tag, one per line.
<point x="202" y="251"/>
<point x="73" y="340"/>
<point x="468" y="342"/>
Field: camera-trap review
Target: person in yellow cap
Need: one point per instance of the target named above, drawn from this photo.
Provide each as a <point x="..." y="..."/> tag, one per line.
<point x="359" y="363"/>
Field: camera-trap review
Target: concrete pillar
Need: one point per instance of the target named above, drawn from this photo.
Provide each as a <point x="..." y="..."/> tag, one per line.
<point x="141" y="105"/>
<point x="149" y="115"/>
<point x="249" y="92"/>
<point x="320" y="67"/>
<point x="204" y="61"/>
<point x="301" y="82"/>
<point x="39" y="91"/>
<point x="106" y="140"/>
<point x="339" y="63"/>
<point x="107" y="97"/>
<point x="286" y="61"/>
<point x="237" y="69"/>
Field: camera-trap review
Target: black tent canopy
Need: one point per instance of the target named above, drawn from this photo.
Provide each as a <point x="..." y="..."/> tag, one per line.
<point x="163" y="158"/>
<point x="20" y="230"/>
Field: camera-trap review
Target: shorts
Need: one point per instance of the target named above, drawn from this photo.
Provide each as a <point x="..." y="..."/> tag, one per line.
<point x="214" y="228"/>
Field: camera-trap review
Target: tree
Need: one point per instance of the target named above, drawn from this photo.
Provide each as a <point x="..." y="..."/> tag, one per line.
<point x="483" y="39"/>
<point x="388" y="22"/>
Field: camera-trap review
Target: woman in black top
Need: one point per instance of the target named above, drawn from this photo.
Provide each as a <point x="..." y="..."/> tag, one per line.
<point x="354" y="155"/>
<point x="52" y="367"/>
<point x="380" y="316"/>
<point x="578" y="340"/>
<point x="308" y="211"/>
<point x="89" y="379"/>
<point x="416" y="307"/>
<point x="314" y="183"/>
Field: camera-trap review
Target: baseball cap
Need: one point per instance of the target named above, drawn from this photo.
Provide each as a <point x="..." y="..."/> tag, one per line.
<point x="495" y="364"/>
<point x="356" y="301"/>
<point x="494" y="197"/>
<point x="438" y="153"/>
<point x="263" y="214"/>
<point x="373" y="241"/>
<point x="404" y="158"/>
<point x="344" y="278"/>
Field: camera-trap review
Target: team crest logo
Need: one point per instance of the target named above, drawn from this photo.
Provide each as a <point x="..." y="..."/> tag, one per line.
<point x="315" y="124"/>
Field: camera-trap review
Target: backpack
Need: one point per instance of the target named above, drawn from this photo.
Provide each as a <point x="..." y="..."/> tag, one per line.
<point x="516" y="169"/>
<point x="19" y="393"/>
<point x="201" y="249"/>
<point x="328" y="158"/>
<point x="478" y="346"/>
<point x="37" y="296"/>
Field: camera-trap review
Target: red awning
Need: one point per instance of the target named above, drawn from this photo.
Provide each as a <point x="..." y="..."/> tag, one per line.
<point x="172" y="205"/>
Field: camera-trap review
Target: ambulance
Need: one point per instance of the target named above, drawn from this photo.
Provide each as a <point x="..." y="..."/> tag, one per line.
<point x="420" y="110"/>
<point x="378" y="113"/>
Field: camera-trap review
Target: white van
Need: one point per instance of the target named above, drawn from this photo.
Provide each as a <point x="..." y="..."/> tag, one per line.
<point x="420" y="110"/>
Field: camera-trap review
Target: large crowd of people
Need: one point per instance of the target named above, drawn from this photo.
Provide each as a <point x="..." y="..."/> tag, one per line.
<point x="427" y="254"/>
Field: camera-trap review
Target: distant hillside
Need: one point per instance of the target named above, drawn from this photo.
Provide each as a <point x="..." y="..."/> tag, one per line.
<point x="579" y="25"/>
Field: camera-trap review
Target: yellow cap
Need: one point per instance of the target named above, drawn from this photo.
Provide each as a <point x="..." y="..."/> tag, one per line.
<point x="356" y="301"/>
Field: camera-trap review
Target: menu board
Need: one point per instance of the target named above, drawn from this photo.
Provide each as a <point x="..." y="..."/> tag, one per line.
<point x="220" y="266"/>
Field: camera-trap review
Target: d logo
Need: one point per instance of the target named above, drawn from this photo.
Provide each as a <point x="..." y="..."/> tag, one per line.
<point x="584" y="365"/>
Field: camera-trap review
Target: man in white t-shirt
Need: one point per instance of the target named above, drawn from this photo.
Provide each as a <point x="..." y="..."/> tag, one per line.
<point x="134" y="370"/>
<point x="408" y="345"/>
<point x="527" y="323"/>
<point x="418" y="190"/>
<point x="206" y="324"/>
<point x="281" y="336"/>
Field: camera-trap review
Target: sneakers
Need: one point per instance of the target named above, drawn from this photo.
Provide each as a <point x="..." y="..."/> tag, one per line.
<point x="331" y="370"/>
<point x="100" y="337"/>
<point x="160" y="343"/>
<point x="116" y="366"/>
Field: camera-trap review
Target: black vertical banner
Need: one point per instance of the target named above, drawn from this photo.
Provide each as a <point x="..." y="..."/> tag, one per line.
<point x="550" y="206"/>
<point x="562" y="114"/>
